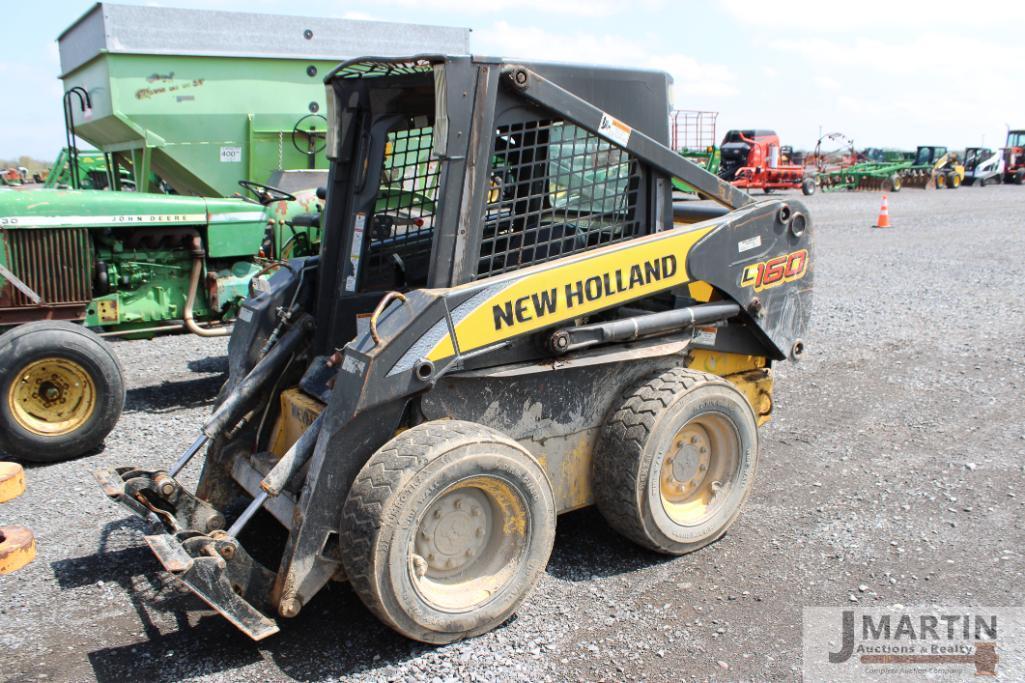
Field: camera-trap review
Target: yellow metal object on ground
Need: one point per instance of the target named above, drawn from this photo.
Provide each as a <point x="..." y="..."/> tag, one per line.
<point x="298" y="411"/>
<point x="17" y="548"/>
<point x="17" y="544"/>
<point x="12" y="481"/>
<point x="52" y="397"/>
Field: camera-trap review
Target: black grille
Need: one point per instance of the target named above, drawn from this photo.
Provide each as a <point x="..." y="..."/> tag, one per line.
<point x="556" y="189"/>
<point x="372" y="68"/>
<point x="402" y="226"/>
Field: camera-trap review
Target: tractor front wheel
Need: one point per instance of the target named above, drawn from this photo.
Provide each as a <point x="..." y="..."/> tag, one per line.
<point x="1019" y="177"/>
<point x="61" y="391"/>
<point x="808" y="186"/>
<point x="676" y="461"/>
<point x="447" y="528"/>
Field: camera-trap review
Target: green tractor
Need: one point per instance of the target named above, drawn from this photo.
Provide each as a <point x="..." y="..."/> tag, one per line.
<point x="90" y="172"/>
<point x="181" y="117"/>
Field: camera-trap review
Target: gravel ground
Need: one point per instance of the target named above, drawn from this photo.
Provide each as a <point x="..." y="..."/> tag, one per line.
<point x="892" y="472"/>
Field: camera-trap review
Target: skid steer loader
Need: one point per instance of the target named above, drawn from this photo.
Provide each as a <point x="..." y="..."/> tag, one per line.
<point x="504" y="323"/>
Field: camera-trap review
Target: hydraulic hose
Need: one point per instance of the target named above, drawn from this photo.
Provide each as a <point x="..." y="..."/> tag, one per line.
<point x="249" y="390"/>
<point x="197" y="271"/>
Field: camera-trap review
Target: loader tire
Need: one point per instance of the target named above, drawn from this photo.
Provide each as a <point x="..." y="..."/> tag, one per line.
<point x="808" y="186"/>
<point x="61" y="391"/>
<point x="675" y="462"/>
<point x="940" y="181"/>
<point x="447" y="529"/>
<point x="953" y="181"/>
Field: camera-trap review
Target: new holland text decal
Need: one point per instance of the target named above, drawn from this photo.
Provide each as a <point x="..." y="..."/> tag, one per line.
<point x="557" y="292"/>
<point x="580" y="293"/>
<point x="775" y="271"/>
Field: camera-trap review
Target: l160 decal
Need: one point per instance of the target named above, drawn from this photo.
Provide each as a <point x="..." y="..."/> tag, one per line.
<point x="775" y="271"/>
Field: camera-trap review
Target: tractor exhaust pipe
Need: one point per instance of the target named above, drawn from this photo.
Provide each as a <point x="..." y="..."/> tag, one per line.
<point x="197" y="271"/>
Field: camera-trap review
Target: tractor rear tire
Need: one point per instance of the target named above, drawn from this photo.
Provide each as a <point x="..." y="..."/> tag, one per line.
<point x="808" y="186"/>
<point x="675" y="462"/>
<point x="61" y="391"/>
<point x="447" y="528"/>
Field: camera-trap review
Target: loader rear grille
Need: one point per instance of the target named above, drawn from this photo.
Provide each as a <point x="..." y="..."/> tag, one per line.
<point x="54" y="263"/>
<point x="556" y="189"/>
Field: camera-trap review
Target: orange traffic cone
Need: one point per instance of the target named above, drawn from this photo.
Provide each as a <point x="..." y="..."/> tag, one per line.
<point x="884" y="215"/>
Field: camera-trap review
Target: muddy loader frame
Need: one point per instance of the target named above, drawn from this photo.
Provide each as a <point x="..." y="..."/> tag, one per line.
<point x="475" y="355"/>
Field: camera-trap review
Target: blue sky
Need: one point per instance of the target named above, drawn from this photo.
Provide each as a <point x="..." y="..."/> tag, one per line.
<point x="886" y="73"/>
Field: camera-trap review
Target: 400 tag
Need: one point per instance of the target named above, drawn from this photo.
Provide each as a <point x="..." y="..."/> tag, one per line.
<point x="775" y="271"/>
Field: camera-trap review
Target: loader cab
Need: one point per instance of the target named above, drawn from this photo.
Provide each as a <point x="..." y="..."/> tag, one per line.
<point x="974" y="156"/>
<point x="539" y="187"/>
<point x="927" y="156"/>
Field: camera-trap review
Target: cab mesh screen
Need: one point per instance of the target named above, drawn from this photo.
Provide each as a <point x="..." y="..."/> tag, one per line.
<point x="555" y="190"/>
<point x="400" y="230"/>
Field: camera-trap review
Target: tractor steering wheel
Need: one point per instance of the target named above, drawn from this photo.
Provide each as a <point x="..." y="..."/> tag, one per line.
<point x="265" y="194"/>
<point x="316" y="140"/>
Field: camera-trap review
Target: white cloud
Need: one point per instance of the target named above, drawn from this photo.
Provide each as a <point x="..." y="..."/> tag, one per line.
<point x="692" y="78"/>
<point x="875" y="15"/>
<point x="579" y="8"/>
<point x="826" y="83"/>
<point x="769" y="71"/>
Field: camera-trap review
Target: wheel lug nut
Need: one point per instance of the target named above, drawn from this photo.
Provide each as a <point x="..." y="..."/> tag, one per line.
<point x="437" y="514"/>
<point x="475" y="512"/>
<point x="478" y="532"/>
<point x="458" y="504"/>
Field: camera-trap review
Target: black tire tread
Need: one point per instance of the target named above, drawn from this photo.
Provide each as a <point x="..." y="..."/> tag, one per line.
<point x="111" y="411"/>
<point x="621" y="445"/>
<point x="393" y="464"/>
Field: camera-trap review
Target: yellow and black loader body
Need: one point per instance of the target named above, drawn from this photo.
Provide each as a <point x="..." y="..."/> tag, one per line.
<point x="500" y="248"/>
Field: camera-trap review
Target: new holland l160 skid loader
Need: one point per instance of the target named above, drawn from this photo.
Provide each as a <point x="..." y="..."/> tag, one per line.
<point x="504" y="322"/>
